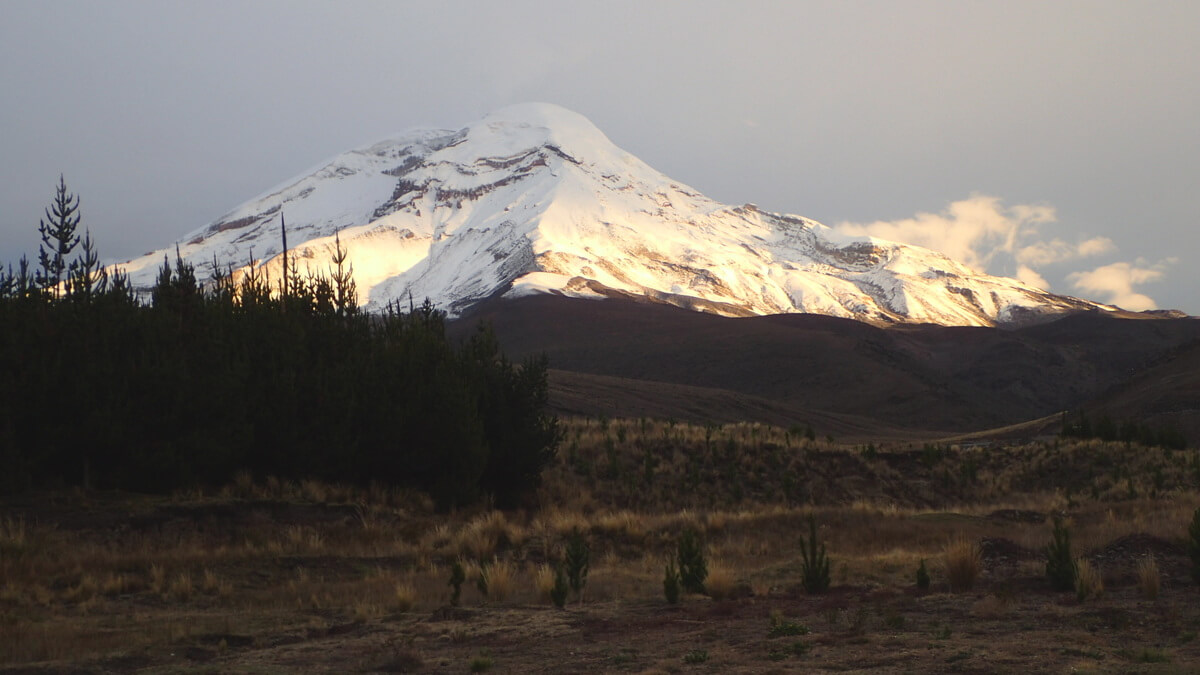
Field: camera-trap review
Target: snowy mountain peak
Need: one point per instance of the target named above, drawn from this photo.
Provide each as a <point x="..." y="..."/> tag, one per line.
<point x="534" y="198"/>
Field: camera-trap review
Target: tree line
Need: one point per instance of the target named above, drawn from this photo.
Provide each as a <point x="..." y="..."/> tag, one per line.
<point x="1106" y="428"/>
<point x="100" y="388"/>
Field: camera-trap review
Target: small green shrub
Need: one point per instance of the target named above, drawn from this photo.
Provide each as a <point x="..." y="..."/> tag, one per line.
<point x="781" y="627"/>
<point x="692" y="568"/>
<point x="481" y="582"/>
<point x="457" y="577"/>
<point x="558" y="592"/>
<point x="577" y="562"/>
<point x="1060" y="563"/>
<point x="815" y="564"/>
<point x="696" y="656"/>
<point x="922" y="576"/>
<point x="482" y="664"/>
<point x="671" y="583"/>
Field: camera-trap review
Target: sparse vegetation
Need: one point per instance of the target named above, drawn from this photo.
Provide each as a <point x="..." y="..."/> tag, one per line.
<point x="693" y="569"/>
<point x="1193" y="545"/>
<point x="325" y="561"/>
<point x="964" y="562"/>
<point x="1060" y="562"/>
<point x="1088" y="581"/>
<point x="1149" y="578"/>
<point x="922" y="576"/>
<point x="814" y="562"/>
<point x="672" y="586"/>
<point x="577" y="562"/>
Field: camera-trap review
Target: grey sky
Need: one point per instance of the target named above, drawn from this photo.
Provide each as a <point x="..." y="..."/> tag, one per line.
<point x="164" y="115"/>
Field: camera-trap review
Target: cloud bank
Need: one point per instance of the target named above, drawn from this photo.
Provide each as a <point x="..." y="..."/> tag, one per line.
<point x="1116" y="282"/>
<point x="989" y="236"/>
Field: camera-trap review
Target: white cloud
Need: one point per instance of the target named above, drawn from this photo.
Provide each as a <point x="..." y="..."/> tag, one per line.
<point x="1028" y="276"/>
<point x="1115" y="283"/>
<point x="983" y="232"/>
<point x="971" y="231"/>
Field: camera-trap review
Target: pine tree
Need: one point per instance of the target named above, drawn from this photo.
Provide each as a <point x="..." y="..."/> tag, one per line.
<point x="58" y="237"/>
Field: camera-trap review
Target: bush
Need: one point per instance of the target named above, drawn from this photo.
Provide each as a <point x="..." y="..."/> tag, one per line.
<point x="964" y="562"/>
<point x="692" y="568"/>
<point x="576" y="562"/>
<point x="1060" y="563"/>
<point x="558" y="592"/>
<point x="671" y="583"/>
<point x="922" y="576"/>
<point x="815" y="565"/>
<point x="457" y="576"/>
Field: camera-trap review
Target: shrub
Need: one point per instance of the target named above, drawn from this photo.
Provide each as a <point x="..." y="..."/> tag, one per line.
<point x="558" y="592"/>
<point x="457" y="576"/>
<point x="781" y="627"/>
<point x="1088" y="583"/>
<point x="671" y="583"/>
<point x="1148" y="577"/>
<point x="576" y="562"/>
<point x="922" y="576"/>
<point x="1060" y="564"/>
<point x="1193" y="545"/>
<point x="815" y="564"/>
<point x="964" y="562"/>
<point x="692" y="568"/>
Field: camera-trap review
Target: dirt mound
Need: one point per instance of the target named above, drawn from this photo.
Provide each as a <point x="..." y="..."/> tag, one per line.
<point x="998" y="551"/>
<point x="1018" y="516"/>
<point x="1128" y="550"/>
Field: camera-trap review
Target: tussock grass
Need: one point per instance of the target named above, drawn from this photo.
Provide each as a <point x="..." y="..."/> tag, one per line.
<point x="1148" y="577"/>
<point x="964" y="563"/>
<point x="1088" y="581"/>
<point x="721" y="581"/>
<point x="303" y="552"/>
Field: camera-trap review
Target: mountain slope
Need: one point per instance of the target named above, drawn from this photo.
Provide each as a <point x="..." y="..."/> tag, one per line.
<point x="914" y="377"/>
<point x="534" y="199"/>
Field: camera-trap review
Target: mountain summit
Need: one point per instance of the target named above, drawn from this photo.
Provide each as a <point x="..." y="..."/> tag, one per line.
<point x="534" y="198"/>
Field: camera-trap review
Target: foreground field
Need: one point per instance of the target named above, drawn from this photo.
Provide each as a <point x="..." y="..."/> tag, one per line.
<point x="276" y="577"/>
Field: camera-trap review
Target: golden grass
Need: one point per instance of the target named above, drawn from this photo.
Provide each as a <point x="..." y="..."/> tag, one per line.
<point x="1088" y="580"/>
<point x="720" y="582"/>
<point x="1148" y="578"/>
<point x="964" y="563"/>
<point x="407" y="549"/>
<point x="405" y="596"/>
<point x="543" y="582"/>
<point x="501" y="579"/>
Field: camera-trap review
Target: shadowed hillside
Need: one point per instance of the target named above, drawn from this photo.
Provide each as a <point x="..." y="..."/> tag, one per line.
<point x="930" y="378"/>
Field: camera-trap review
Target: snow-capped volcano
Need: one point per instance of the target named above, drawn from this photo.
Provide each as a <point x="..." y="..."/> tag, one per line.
<point x="535" y="199"/>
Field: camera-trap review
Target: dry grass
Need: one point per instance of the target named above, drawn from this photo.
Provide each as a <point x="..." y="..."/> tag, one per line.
<point x="1088" y="580"/>
<point x="405" y="596"/>
<point x="964" y="562"/>
<point x="501" y="579"/>
<point x="720" y="582"/>
<point x="1148" y="577"/>
<point x="543" y="582"/>
<point x="372" y="555"/>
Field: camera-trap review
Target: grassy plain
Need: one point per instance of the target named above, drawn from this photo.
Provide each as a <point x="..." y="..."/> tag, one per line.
<point x="274" y="576"/>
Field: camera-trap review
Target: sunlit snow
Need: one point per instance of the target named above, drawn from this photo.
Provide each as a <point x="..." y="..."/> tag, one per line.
<point x="535" y="199"/>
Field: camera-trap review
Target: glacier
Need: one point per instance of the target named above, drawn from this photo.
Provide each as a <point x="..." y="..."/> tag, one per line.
<point x="534" y="198"/>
